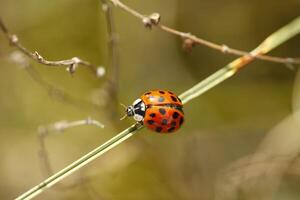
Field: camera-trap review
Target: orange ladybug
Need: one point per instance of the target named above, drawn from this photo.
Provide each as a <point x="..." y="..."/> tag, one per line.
<point x="158" y="110"/>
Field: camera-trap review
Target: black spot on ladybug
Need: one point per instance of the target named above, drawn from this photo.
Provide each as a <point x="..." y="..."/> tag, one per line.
<point x="179" y="99"/>
<point x="164" y="122"/>
<point x="173" y="123"/>
<point x="170" y="92"/>
<point x="158" y="129"/>
<point x="150" y="122"/>
<point x="171" y="129"/>
<point x="162" y="111"/>
<point x="161" y="99"/>
<point x="162" y="92"/>
<point x="181" y="120"/>
<point x="152" y="115"/>
<point x="175" y="115"/>
<point x="174" y="98"/>
<point x="147" y="93"/>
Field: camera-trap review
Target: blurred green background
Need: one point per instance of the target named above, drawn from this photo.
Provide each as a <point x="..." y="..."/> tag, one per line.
<point x="222" y="126"/>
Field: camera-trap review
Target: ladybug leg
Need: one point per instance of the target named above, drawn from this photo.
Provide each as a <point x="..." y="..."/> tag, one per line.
<point x="138" y="124"/>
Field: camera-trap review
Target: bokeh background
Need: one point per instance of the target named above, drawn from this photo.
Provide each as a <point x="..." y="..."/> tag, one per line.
<point x="207" y="158"/>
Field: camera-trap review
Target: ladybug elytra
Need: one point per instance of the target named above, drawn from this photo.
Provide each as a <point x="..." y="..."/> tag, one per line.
<point x="158" y="110"/>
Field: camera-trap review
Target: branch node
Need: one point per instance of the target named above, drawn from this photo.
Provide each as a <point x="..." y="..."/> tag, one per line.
<point x="100" y="71"/>
<point x="147" y="22"/>
<point x="13" y="39"/>
<point x="60" y="126"/>
<point x="188" y="44"/>
<point x="151" y="20"/>
<point x="38" y="56"/>
<point x="89" y="121"/>
<point x="105" y="7"/>
<point x="185" y="35"/>
<point x="224" y="48"/>
<point x="155" y="18"/>
<point x="76" y="60"/>
<point x="72" y="68"/>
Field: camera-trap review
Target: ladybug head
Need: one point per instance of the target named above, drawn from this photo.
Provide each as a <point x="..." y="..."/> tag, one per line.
<point x="136" y="110"/>
<point x="130" y="111"/>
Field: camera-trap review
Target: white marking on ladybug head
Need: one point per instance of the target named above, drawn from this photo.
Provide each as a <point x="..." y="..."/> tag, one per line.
<point x="130" y="111"/>
<point x="137" y="110"/>
<point x="136" y="102"/>
<point x="138" y="117"/>
<point x="143" y="107"/>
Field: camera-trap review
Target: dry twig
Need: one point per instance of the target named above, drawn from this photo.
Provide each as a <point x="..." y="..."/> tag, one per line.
<point x="71" y="64"/>
<point x="63" y="125"/>
<point x="190" y="40"/>
<point x="59" y="127"/>
<point x="53" y="91"/>
<point x="111" y="86"/>
<point x="260" y="174"/>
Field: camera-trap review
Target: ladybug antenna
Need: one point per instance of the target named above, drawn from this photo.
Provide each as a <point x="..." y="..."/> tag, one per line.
<point x="125" y="107"/>
<point x="123" y="117"/>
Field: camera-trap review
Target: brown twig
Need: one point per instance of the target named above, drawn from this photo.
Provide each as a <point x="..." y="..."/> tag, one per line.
<point x="61" y="126"/>
<point x="71" y="64"/>
<point x="53" y="91"/>
<point x="57" y="93"/>
<point x="262" y="172"/>
<point x="153" y="20"/>
<point x="111" y="86"/>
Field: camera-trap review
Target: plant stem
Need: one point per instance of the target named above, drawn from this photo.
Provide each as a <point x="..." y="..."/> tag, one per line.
<point x="200" y="41"/>
<point x="124" y="135"/>
<point x="271" y="42"/>
<point x="274" y="40"/>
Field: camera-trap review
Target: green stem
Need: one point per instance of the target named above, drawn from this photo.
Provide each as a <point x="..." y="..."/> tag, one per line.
<point x="124" y="135"/>
<point x="274" y="40"/>
<point x="207" y="84"/>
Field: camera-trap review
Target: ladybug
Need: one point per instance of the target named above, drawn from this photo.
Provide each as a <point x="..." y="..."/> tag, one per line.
<point x="158" y="110"/>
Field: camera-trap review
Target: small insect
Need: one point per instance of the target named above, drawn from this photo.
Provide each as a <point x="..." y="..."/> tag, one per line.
<point x="158" y="110"/>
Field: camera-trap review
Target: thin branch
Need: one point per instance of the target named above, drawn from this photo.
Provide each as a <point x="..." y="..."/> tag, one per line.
<point x="189" y="39"/>
<point x="46" y="166"/>
<point x="53" y="91"/>
<point x="111" y="86"/>
<point x="277" y="38"/>
<point x="274" y="40"/>
<point x="124" y="135"/>
<point x="57" y="93"/>
<point x="71" y="64"/>
<point x="278" y="154"/>
<point x="61" y="126"/>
